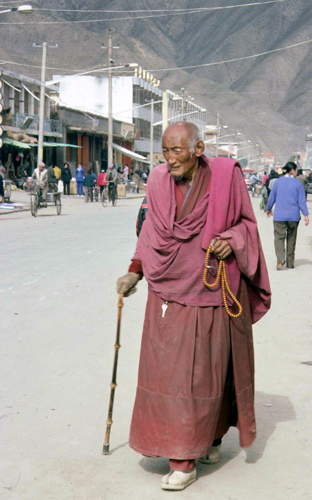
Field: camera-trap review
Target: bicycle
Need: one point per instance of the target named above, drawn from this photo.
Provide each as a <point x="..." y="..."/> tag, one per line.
<point x="109" y="194"/>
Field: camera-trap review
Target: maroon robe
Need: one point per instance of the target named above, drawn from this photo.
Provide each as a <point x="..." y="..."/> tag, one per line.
<point x="196" y="374"/>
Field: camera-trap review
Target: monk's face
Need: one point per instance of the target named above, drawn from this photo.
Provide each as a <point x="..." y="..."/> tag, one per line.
<point x="180" y="156"/>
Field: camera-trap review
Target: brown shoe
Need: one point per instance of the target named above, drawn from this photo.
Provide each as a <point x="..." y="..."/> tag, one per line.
<point x="279" y="266"/>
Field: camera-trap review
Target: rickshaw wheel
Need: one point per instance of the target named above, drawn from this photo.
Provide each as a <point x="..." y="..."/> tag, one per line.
<point x="33" y="205"/>
<point x="58" y="205"/>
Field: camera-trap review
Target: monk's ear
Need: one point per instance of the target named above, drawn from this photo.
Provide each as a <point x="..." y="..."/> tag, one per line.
<point x="199" y="148"/>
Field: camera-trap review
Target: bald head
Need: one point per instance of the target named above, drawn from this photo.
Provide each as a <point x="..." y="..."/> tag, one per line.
<point x="182" y="147"/>
<point x="187" y="130"/>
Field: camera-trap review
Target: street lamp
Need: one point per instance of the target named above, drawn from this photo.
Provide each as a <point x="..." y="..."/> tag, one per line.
<point x="22" y="9"/>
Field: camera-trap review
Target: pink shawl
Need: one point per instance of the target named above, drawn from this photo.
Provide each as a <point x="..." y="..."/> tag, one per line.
<point x="173" y="253"/>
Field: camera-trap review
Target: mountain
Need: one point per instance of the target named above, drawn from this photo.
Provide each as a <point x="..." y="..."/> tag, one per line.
<point x="266" y="98"/>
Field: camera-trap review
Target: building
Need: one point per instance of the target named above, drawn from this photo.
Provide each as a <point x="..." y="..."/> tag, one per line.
<point x="87" y="134"/>
<point x="177" y="107"/>
<point x="135" y="99"/>
<point x="20" y="121"/>
<point x="268" y="161"/>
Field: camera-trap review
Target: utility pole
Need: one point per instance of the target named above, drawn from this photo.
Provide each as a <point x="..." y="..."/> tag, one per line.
<point x="42" y="100"/>
<point x="110" y="101"/>
<point x="152" y="136"/>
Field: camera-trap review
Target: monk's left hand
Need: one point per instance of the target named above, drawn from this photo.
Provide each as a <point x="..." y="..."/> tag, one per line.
<point x="221" y="248"/>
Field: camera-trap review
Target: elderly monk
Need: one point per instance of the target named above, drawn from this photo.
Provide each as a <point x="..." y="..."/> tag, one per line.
<point x="196" y="373"/>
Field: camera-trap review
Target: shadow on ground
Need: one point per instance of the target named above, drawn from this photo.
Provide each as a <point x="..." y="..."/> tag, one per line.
<point x="271" y="409"/>
<point x="303" y="262"/>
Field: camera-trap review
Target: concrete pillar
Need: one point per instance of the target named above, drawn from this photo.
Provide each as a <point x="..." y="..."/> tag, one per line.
<point x="48" y="108"/>
<point x="11" y="99"/>
<point x="31" y="105"/>
<point x="22" y="101"/>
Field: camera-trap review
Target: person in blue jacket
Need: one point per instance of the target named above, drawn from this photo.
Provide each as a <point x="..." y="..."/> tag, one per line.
<point x="79" y="179"/>
<point x="288" y="196"/>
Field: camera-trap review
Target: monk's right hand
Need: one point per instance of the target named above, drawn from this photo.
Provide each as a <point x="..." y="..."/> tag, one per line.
<point x="126" y="284"/>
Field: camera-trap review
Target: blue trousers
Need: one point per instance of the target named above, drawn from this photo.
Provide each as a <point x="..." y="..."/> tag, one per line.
<point x="79" y="187"/>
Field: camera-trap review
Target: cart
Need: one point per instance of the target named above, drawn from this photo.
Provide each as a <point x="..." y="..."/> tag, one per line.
<point x="53" y="198"/>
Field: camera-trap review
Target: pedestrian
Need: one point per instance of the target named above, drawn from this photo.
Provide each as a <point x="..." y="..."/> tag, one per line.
<point x="95" y="177"/>
<point x="196" y="363"/>
<point x="126" y="173"/>
<point x="57" y="172"/>
<point x="88" y="183"/>
<point x="289" y="199"/>
<point x="264" y="178"/>
<point x="264" y="199"/>
<point x="79" y="179"/>
<point x="304" y="181"/>
<point x="66" y="178"/>
<point x="52" y="180"/>
<point x="101" y="180"/>
<point x="272" y="177"/>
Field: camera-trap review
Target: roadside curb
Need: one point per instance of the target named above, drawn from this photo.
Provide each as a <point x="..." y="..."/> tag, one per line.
<point x="5" y="212"/>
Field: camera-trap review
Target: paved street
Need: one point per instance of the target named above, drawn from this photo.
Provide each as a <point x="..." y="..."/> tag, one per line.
<point x="58" y="321"/>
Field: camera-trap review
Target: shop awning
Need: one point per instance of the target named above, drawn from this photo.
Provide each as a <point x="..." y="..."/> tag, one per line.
<point x="56" y="145"/>
<point x="129" y="153"/>
<point x="16" y="144"/>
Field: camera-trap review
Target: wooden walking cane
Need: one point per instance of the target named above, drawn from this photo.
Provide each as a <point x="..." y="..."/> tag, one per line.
<point x="113" y="384"/>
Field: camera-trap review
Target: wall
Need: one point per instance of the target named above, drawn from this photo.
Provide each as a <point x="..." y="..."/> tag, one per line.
<point x="90" y="93"/>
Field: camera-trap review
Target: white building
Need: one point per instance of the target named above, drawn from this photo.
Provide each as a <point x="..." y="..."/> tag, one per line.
<point x="90" y="93"/>
<point x="131" y="98"/>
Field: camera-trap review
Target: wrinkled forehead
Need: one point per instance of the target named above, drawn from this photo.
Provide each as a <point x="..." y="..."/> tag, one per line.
<point x="176" y="137"/>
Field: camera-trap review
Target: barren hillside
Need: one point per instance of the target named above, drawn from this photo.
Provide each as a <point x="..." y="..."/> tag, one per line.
<point x="267" y="98"/>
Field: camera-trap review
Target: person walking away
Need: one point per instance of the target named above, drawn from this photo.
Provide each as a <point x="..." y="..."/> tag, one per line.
<point x="41" y="177"/>
<point x="264" y="199"/>
<point x="273" y="175"/>
<point x="57" y="172"/>
<point x="52" y="180"/>
<point x="88" y="183"/>
<point x="66" y="178"/>
<point x="101" y="181"/>
<point x="264" y="178"/>
<point x="289" y="199"/>
<point x="304" y="181"/>
<point x="111" y="178"/>
<point x="79" y="179"/>
<point x="196" y="365"/>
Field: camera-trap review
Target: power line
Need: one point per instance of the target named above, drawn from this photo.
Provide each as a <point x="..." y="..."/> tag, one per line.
<point x="232" y="60"/>
<point x="144" y="17"/>
<point x="255" y="92"/>
<point x="186" y="11"/>
<point x="2" y="61"/>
